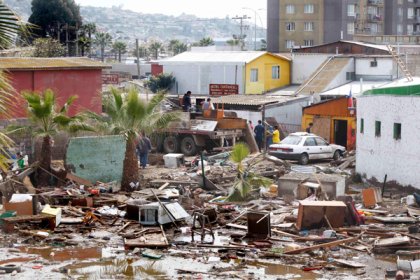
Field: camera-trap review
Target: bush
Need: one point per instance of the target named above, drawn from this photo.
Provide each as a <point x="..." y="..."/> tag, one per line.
<point x="162" y="82"/>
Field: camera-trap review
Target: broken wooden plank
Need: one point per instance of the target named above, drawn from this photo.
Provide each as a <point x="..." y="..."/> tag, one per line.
<point x="386" y="242"/>
<point x="78" y="180"/>
<point x="241" y="227"/>
<point x="324" y="245"/>
<point x="396" y="220"/>
<point x="351" y="264"/>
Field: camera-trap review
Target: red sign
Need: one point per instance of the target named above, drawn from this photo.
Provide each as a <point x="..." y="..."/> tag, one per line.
<point x="110" y="79"/>
<point x="223" y="89"/>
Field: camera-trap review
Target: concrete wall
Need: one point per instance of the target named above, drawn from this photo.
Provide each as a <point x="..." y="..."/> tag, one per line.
<point x="304" y="65"/>
<point x="289" y="114"/>
<point x="377" y="156"/>
<point x="198" y="77"/>
<point x="145" y="69"/>
<point x="96" y="158"/>
<point x="384" y="71"/>
<point x="273" y="25"/>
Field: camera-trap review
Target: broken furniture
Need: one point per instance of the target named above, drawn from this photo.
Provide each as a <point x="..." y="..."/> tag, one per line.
<point x="153" y="237"/>
<point x="259" y="225"/>
<point x="205" y="226"/>
<point x="371" y="197"/>
<point x="161" y="213"/>
<point x="23" y="204"/>
<point x="9" y="223"/>
<point x="332" y="185"/>
<point x="316" y="214"/>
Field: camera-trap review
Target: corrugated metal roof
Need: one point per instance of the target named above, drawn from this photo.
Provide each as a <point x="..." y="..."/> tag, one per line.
<point x="252" y="100"/>
<point x="35" y="63"/>
<point x="226" y="57"/>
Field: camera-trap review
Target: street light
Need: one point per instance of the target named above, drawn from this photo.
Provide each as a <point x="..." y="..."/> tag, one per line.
<point x="255" y="26"/>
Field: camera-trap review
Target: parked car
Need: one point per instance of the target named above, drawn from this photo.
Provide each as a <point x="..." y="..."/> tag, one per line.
<point x="304" y="146"/>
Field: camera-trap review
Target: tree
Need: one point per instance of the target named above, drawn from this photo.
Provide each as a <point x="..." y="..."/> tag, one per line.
<point x="155" y="47"/>
<point x="180" y="48"/>
<point x="47" y="119"/>
<point x="10" y="26"/>
<point x="233" y="42"/>
<point x="47" y="47"/>
<point x="119" y="48"/>
<point x="127" y="114"/>
<point x="246" y="182"/>
<point x="206" y="41"/>
<point x="162" y="82"/>
<point x="263" y="45"/>
<point x="103" y="39"/>
<point x="85" y="37"/>
<point x="143" y="51"/>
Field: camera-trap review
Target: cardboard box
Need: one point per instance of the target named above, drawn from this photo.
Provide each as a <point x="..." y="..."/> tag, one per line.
<point x="56" y="212"/>
<point x="371" y="197"/>
<point x="21" y="208"/>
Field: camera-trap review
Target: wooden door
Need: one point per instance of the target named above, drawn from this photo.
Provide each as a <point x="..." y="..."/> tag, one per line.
<point x="322" y="127"/>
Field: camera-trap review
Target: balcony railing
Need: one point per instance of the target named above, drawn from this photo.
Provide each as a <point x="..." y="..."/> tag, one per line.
<point x="375" y="2"/>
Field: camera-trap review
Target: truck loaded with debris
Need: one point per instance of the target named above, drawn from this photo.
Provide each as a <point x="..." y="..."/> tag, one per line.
<point x="195" y="132"/>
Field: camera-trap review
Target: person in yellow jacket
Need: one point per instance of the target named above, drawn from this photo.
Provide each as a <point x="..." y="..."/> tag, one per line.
<point x="276" y="135"/>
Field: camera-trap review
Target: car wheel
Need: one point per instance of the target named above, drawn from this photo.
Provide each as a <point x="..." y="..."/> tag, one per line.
<point x="304" y="159"/>
<point x="171" y="145"/>
<point x="188" y="146"/>
<point x="336" y="155"/>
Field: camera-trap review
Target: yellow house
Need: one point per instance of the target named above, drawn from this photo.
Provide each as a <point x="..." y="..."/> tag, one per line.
<point x="266" y="72"/>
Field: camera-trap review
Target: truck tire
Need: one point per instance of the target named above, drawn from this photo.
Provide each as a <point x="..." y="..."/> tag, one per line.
<point x="188" y="146"/>
<point x="171" y="145"/>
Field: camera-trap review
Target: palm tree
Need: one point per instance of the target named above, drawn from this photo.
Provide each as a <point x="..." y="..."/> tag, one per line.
<point x="10" y="25"/>
<point x="246" y="181"/>
<point x="89" y="29"/>
<point x="47" y="119"/>
<point x="206" y="41"/>
<point x="127" y="114"/>
<point x="119" y="48"/>
<point x="180" y="48"/>
<point x="155" y="47"/>
<point x="103" y="39"/>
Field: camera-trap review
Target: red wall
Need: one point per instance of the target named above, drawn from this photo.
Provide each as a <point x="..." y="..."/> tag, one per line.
<point x="86" y="84"/>
<point x="157" y="69"/>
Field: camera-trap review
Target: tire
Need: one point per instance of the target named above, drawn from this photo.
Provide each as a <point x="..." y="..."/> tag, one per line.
<point x="304" y="159"/>
<point x="188" y="146"/>
<point x="171" y="145"/>
<point x="337" y="155"/>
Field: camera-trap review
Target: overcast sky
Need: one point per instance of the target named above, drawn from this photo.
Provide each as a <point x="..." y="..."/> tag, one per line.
<point x="200" y="8"/>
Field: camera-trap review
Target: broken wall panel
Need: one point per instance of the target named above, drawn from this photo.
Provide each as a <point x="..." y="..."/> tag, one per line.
<point x="312" y="214"/>
<point x="96" y="158"/>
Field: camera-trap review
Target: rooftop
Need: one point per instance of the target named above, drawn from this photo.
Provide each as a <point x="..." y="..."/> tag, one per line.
<point x="35" y="63"/>
<point x="218" y="57"/>
<point x="253" y="100"/>
<point x="401" y="87"/>
<point x="355" y="87"/>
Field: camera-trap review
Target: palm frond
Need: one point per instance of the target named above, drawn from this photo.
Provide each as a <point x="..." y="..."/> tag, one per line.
<point x="239" y="152"/>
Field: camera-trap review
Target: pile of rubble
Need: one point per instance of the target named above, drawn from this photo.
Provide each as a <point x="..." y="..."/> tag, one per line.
<point x="310" y="221"/>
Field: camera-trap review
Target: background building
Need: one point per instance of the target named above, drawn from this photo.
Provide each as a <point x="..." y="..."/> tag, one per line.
<point x="311" y="22"/>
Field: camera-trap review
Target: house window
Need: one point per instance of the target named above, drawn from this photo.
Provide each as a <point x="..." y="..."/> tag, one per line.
<point x="254" y="75"/>
<point x="410" y="29"/>
<point x="377" y="128"/>
<point x="308" y="43"/>
<point x="350" y="28"/>
<point x="351" y="10"/>
<point x="309" y="26"/>
<point x="275" y="72"/>
<point x="309" y="9"/>
<point x="362" y="126"/>
<point x="290" y="9"/>
<point x="410" y="13"/>
<point x="399" y="29"/>
<point x="290" y="44"/>
<point x="290" y="26"/>
<point x="374" y="63"/>
<point x="397" y="131"/>
<point x="400" y="12"/>
<point x="350" y="76"/>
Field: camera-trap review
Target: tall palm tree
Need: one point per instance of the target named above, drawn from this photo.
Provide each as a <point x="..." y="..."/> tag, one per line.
<point x="127" y="114"/>
<point x="155" y="47"/>
<point x="119" y="48"/>
<point x="89" y="29"/>
<point x="206" y="41"/>
<point x="180" y="48"/>
<point x="47" y="119"/>
<point x="103" y="39"/>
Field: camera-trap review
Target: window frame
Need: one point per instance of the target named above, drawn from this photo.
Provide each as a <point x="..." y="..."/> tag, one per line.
<point x="362" y="125"/>
<point x="253" y="75"/>
<point x="309" y="11"/>
<point x="290" y="9"/>
<point x="310" y="138"/>
<point x="310" y="24"/>
<point x="378" y="125"/>
<point x="397" y="131"/>
<point x="275" y="77"/>
<point x="290" y="26"/>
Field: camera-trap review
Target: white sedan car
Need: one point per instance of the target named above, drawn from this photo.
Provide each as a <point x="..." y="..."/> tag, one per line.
<point x="304" y="146"/>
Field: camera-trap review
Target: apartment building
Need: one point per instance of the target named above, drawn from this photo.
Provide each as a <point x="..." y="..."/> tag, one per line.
<point x="294" y="23"/>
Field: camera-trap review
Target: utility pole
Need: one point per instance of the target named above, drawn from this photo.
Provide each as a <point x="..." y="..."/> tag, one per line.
<point x="255" y="26"/>
<point x="58" y="31"/>
<point x="138" y="58"/>
<point x="241" y="36"/>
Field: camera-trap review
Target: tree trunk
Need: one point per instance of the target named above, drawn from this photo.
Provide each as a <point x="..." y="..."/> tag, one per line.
<point x="103" y="54"/>
<point x="45" y="163"/>
<point x="119" y="56"/>
<point x="130" y="166"/>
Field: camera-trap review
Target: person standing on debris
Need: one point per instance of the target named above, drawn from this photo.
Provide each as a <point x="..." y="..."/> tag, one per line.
<point x="259" y="134"/>
<point x="186" y="102"/>
<point x="276" y="135"/>
<point x="308" y="129"/>
<point x="144" y="146"/>
<point x="207" y="105"/>
<point x="251" y="125"/>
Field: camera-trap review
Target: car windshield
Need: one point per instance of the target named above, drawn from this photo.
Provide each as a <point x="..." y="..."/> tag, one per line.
<point x="291" y="140"/>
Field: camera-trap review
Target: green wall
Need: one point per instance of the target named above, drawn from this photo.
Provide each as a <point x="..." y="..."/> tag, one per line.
<point x="97" y="158"/>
